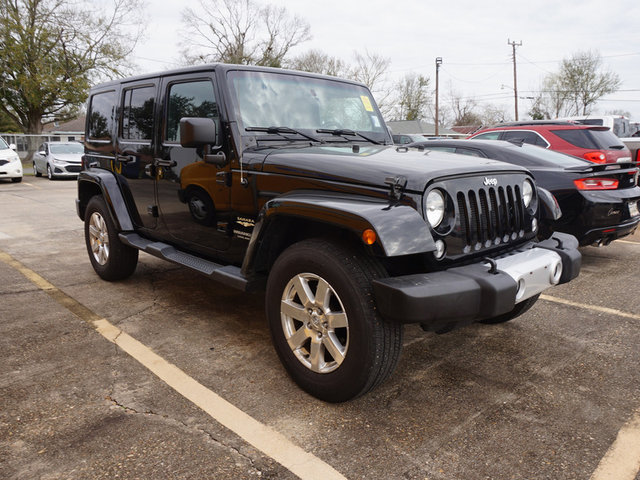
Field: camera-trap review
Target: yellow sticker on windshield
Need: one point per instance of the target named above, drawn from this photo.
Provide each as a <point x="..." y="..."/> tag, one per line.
<point x="367" y="103"/>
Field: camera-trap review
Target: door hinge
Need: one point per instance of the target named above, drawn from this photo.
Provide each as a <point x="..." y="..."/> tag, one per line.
<point x="153" y="210"/>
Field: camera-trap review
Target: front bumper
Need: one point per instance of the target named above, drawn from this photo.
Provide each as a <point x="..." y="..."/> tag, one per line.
<point x="462" y="295"/>
<point x="11" y="169"/>
<point x="66" y="169"/>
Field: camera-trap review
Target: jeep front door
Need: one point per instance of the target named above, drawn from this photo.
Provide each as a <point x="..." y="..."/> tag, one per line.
<point x="193" y="196"/>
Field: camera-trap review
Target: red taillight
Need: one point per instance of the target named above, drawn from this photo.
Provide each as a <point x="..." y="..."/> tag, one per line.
<point x="596" y="183"/>
<point x="595" y="157"/>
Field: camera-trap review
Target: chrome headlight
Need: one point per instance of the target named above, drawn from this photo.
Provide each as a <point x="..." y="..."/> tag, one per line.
<point x="527" y="192"/>
<point x="434" y="207"/>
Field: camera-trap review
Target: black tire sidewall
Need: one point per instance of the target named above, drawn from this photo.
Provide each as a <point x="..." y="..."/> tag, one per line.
<point x="122" y="260"/>
<point x="352" y="376"/>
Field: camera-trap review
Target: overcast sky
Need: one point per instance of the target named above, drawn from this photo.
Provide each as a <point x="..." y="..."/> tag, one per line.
<point x="470" y="36"/>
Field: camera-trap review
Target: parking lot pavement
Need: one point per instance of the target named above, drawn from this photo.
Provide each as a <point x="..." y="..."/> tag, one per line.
<point x="542" y="397"/>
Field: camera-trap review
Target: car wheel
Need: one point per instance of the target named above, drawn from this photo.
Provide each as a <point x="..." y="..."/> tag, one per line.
<point x="35" y="170"/>
<point x="110" y="258"/>
<point x="200" y="206"/>
<point x="50" y="175"/>
<point x="324" y="323"/>
<point x="518" y="310"/>
<point x="16" y="179"/>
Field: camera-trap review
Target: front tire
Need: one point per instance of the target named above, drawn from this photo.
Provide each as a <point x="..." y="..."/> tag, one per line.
<point x="50" y="174"/>
<point x="111" y="259"/>
<point x="324" y="323"/>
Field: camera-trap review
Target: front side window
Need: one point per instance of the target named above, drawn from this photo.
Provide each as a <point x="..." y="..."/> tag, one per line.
<point x="265" y="99"/>
<point x="137" y="113"/>
<point x="470" y="152"/>
<point x="189" y="99"/>
<point x="525" y="136"/>
<point x="101" y="116"/>
<point x="487" y="136"/>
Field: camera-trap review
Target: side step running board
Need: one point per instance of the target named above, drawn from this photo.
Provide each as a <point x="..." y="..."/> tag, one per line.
<point x="227" y="274"/>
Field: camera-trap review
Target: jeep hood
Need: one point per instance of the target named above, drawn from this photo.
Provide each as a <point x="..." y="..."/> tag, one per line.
<point x="371" y="165"/>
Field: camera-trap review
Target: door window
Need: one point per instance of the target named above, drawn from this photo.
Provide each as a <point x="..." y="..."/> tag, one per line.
<point x="190" y="99"/>
<point x="137" y="113"/>
<point x="101" y="116"/>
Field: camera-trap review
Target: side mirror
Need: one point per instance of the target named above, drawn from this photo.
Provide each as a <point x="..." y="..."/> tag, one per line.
<point x="13" y="147"/>
<point x="197" y="132"/>
<point x="42" y="152"/>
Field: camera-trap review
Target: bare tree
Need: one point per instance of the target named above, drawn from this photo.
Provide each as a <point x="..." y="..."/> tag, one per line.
<point x="241" y="32"/>
<point x="413" y="98"/>
<point x="576" y="88"/>
<point x="316" y="61"/>
<point x="464" y="110"/>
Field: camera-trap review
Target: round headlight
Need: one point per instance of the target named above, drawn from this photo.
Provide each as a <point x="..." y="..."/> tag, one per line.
<point x="527" y="192"/>
<point x="434" y="207"/>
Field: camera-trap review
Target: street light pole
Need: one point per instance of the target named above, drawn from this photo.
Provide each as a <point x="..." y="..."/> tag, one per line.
<point x="515" y="75"/>
<point x="438" y="63"/>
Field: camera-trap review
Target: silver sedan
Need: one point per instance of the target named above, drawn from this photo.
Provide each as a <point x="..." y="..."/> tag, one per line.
<point x="58" y="159"/>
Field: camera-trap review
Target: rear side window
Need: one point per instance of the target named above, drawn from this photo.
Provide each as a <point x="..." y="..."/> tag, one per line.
<point x="101" y="116"/>
<point x="591" y="139"/>
<point x="189" y="99"/>
<point x="137" y="113"/>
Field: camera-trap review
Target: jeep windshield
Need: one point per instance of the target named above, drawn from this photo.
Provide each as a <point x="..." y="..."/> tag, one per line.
<point x="301" y="107"/>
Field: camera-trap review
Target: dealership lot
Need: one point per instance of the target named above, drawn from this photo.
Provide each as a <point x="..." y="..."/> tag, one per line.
<point x="170" y="375"/>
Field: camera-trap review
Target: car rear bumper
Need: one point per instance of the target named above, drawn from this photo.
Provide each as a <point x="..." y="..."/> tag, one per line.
<point x="604" y="236"/>
<point x="462" y="295"/>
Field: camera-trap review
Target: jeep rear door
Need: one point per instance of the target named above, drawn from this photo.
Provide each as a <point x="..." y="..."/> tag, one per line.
<point x="134" y="147"/>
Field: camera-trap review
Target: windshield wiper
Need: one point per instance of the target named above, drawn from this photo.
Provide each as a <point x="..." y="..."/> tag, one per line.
<point x="281" y="130"/>
<point x="343" y="131"/>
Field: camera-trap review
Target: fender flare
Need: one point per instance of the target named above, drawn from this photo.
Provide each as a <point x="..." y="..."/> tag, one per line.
<point x="399" y="228"/>
<point x="549" y="208"/>
<point x="101" y="181"/>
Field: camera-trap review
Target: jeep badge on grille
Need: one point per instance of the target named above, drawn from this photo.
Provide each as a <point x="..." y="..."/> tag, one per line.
<point x="490" y="182"/>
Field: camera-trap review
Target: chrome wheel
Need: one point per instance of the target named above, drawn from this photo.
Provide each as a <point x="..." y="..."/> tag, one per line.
<point x="314" y="322"/>
<point x="99" y="238"/>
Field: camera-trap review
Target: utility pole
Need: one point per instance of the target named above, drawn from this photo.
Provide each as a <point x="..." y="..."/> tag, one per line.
<point x="515" y="74"/>
<point x="438" y="63"/>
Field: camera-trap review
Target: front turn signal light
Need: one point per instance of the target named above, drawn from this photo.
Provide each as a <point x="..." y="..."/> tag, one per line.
<point x="369" y="237"/>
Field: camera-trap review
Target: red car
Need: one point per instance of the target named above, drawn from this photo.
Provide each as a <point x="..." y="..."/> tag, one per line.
<point x="593" y="143"/>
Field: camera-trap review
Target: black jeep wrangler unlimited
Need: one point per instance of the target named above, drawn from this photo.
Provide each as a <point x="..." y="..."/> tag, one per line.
<point x="288" y="182"/>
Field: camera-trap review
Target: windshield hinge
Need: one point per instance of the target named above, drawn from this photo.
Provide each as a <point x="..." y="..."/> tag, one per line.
<point x="397" y="185"/>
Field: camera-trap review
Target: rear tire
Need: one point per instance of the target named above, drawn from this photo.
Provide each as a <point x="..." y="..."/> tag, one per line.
<point x="518" y="310"/>
<point x="111" y="259"/>
<point x="324" y="323"/>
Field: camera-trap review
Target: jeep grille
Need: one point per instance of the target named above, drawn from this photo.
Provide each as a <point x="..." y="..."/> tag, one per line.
<point x="490" y="216"/>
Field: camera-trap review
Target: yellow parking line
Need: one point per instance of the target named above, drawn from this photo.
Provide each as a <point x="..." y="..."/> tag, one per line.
<point x="622" y="461"/>
<point x="595" y="308"/>
<point x="627" y="241"/>
<point x="262" y="437"/>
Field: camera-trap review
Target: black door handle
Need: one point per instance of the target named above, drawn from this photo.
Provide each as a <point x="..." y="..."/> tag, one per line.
<point x="160" y="162"/>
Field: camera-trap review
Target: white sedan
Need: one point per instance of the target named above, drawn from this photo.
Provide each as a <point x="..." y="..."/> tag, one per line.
<point x="58" y="159"/>
<point x="10" y="164"/>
